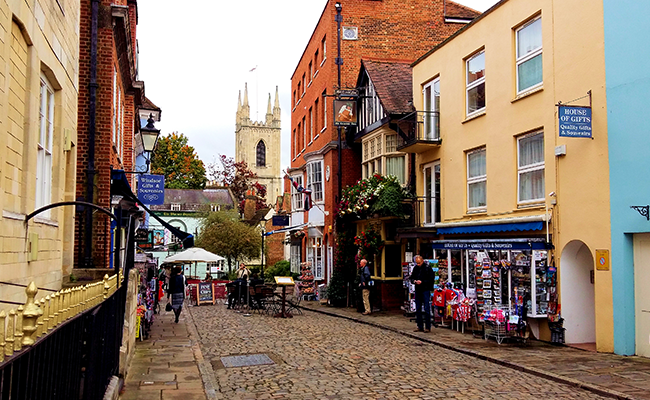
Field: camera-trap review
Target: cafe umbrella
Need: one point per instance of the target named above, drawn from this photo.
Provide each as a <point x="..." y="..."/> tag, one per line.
<point x="193" y="255"/>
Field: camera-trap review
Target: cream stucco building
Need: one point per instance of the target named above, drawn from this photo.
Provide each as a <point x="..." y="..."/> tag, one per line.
<point x="258" y="144"/>
<point x="39" y="47"/>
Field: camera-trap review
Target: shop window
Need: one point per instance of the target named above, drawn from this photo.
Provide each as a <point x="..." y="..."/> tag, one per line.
<point x="431" y="94"/>
<point x="176" y="207"/>
<point x="530" y="150"/>
<point x="44" y="146"/>
<point x="476" y="180"/>
<point x="296" y="197"/>
<point x="315" y="256"/>
<point x="295" y="258"/>
<point x="432" y="213"/>
<point x="529" y="55"/>
<point x="315" y="180"/>
<point x="475" y="83"/>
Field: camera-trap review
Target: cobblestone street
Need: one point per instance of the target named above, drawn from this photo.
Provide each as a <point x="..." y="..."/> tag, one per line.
<point x="323" y="357"/>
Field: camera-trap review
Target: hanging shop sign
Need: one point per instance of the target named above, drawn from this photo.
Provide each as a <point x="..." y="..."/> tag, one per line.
<point x="280" y="220"/>
<point x="575" y="121"/>
<point x="151" y="189"/>
<point x="144" y="238"/>
<point x="345" y="113"/>
<point x="602" y="260"/>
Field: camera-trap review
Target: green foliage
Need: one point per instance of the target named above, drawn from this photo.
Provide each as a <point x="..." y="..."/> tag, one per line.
<point x="178" y="162"/>
<point x="345" y="268"/>
<point x="223" y="233"/>
<point x="280" y="268"/>
<point x="374" y="195"/>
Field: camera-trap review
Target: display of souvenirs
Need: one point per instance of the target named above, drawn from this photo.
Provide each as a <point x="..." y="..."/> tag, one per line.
<point x="306" y="283"/>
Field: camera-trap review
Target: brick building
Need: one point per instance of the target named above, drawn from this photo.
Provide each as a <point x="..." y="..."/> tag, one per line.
<point x="388" y="30"/>
<point x="109" y="97"/>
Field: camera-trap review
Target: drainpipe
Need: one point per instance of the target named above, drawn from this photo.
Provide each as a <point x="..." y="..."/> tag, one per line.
<point x="92" y="107"/>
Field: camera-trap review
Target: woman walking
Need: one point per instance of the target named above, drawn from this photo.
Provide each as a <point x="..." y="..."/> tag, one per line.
<point x="176" y="291"/>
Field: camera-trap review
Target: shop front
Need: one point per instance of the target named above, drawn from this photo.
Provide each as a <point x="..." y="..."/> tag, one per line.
<point x="512" y="280"/>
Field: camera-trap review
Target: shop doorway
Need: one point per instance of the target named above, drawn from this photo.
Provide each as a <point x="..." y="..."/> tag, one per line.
<point x="641" y="294"/>
<point x="578" y="295"/>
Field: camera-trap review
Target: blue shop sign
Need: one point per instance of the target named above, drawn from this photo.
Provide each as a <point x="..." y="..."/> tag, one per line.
<point x="151" y="189"/>
<point x="575" y="121"/>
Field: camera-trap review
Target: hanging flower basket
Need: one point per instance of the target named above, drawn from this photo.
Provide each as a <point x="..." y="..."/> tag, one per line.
<point x="377" y="195"/>
<point x="369" y="243"/>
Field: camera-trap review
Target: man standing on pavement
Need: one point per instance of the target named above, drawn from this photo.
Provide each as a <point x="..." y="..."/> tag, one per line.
<point x="364" y="283"/>
<point x="422" y="277"/>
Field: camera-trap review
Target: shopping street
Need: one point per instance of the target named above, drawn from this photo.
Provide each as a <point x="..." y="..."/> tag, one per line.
<point x="345" y="355"/>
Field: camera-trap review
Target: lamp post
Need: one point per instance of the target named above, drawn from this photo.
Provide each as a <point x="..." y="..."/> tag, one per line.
<point x="339" y="62"/>
<point x="149" y="137"/>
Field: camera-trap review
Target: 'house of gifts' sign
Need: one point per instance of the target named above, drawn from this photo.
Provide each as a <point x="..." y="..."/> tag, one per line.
<point x="575" y="121"/>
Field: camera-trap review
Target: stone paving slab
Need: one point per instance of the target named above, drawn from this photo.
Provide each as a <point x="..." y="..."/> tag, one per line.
<point x="604" y="374"/>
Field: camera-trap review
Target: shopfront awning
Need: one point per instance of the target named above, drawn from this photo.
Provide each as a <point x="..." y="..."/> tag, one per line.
<point x="491" y="244"/>
<point x="489" y="228"/>
<point x="120" y="186"/>
<point x="287" y="229"/>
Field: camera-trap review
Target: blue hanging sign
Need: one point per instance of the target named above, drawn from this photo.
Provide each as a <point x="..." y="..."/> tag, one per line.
<point x="575" y="121"/>
<point x="151" y="189"/>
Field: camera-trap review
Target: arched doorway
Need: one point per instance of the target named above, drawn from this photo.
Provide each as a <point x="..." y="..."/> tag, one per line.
<point x="578" y="295"/>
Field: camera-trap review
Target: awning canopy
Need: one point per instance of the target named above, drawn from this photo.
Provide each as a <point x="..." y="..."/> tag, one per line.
<point x="195" y="254"/>
<point x="120" y="186"/>
<point x="287" y="229"/>
<point x="511" y="227"/>
<point x="492" y="244"/>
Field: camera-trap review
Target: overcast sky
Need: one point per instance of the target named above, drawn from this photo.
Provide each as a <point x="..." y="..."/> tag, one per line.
<point x="195" y="57"/>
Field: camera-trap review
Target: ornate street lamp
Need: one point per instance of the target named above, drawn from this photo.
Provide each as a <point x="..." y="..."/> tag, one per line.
<point x="149" y="137"/>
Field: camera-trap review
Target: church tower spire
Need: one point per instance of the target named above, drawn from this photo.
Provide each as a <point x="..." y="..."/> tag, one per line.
<point x="246" y="109"/>
<point x="269" y="114"/>
<point x="238" y="115"/>
<point x="276" y="109"/>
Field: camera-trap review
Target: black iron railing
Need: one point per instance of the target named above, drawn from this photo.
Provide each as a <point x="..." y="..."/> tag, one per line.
<point x="65" y="346"/>
<point x="419" y="126"/>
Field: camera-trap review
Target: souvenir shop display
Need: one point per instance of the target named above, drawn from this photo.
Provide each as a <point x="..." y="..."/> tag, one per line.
<point x="503" y="323"/>
<point x="306" y="284"/>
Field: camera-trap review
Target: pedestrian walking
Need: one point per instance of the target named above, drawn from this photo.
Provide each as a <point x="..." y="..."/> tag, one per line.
<point x="422" y="277"/>
<point x="365" y="283"/>
<point x="176" y="291"/>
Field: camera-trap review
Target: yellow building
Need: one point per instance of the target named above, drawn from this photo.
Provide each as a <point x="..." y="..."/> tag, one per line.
<point x="499" y="185"/>
<point x="39" y="47"/>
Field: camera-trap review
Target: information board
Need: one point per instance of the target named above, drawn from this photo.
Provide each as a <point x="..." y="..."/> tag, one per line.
<point x="205" y="293"/>
<point x="284" y="280"/>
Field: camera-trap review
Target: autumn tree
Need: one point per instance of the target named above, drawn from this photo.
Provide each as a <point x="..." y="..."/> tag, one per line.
<point x="239" y="178"/>
<point x="178" y="162"/>
<point x="223" y="233"/>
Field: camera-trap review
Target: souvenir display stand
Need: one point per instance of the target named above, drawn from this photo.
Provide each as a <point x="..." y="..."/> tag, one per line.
<point x="306" y="283"/>
<point x="146" y="299"/>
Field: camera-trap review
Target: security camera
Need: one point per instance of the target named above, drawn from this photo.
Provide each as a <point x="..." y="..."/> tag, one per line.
<point x="552" y="194"/>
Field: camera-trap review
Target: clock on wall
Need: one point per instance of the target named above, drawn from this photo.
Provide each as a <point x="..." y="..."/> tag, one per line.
<point x="350" y="33"/>
<point x="327" y="173"/>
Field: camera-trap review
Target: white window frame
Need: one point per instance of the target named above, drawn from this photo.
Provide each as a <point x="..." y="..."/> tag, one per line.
<point x="324" y="111"/>
<point x="528" y="56"/>
<point x="431" y="125"/>
<point x="324" y="49"/>
<point x="311" y="124"/>
<point x="476" y="179"/>
<point x="474" y="84"/>
<point x="45" y="142"/>
<point x="430" y="203"/>
<point x="316" y="257"/>
<point x="294" y="257"/>
<point x="315" y="180"/>
<point x="296" y="197"/>
<point x="528" y="169"/>
<point x="304" y="133"/>
<point x="175" y="207"/>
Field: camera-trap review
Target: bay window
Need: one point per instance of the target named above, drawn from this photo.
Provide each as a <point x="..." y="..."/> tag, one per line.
<point x="476" y="180"/>
<point x="315" y="180"/>
<point x="529" y="55"/>
<point x="296" y="197"/>
<point x="530" y="167"/>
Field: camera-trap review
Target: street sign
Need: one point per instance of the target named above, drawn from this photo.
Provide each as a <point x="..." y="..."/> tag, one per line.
<point x="151" y="189"/>
<point x="575" y="121"/>
<point x="280" y="220"/>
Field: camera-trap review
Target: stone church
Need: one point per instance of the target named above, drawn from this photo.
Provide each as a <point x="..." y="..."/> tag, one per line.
<point x="258" y="143"/>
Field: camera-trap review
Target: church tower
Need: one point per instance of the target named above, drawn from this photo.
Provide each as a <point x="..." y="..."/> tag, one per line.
<point x="258" y="144"/>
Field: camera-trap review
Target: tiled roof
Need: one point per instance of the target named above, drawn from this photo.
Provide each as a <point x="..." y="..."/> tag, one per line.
<point x="393" y="83"/>
<point x="191" y="199"/>
<point x="455" y="10"/>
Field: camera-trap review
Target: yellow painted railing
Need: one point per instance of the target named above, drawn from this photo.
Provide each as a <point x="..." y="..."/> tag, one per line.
<point x="23" y="326"/>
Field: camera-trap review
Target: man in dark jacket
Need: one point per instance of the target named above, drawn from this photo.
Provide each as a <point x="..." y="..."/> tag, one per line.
<point x="422" y="277"/>
<point x="364" y="283"/>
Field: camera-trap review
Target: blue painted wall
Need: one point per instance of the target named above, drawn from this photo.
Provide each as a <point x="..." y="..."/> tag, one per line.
<point x="627" y="67"/>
